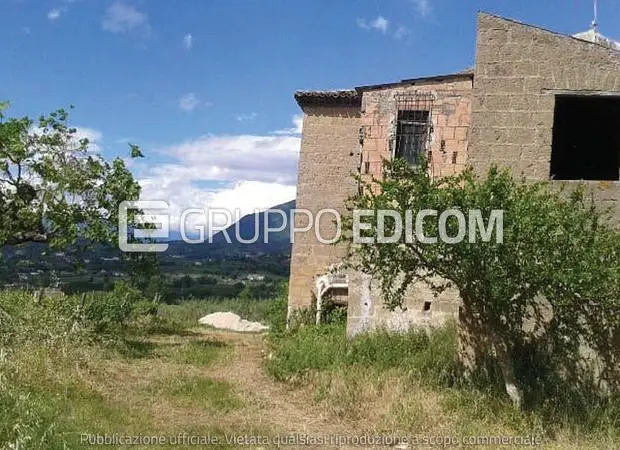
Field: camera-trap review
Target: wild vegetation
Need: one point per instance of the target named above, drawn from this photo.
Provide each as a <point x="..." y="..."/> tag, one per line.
<point x="63" y="364"/>
<point x="53" y="188"/>
<point x="65" y="375"/>
<point x="533" y="301"/>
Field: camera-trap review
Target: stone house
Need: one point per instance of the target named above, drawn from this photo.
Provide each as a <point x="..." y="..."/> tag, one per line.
<point x="544" y="104"/>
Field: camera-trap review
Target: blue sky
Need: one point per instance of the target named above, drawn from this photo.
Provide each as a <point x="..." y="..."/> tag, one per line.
<point x="206" y="86"/>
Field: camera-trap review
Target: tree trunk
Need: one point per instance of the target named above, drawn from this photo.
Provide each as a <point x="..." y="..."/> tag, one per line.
<point x="477" y="344"/>
<point x="473" y="347"/>
<point x="510" y="380"/>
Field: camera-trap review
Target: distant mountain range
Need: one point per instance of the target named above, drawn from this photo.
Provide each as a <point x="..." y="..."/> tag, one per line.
<point x="249" y="228"/>
<point x="38" y="257"/>
<point x="211" y="269"/>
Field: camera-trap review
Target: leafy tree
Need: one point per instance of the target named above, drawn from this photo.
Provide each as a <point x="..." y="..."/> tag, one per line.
<point x="53" y="187"/>
<point x="143" y="270"/>
<point x="551" y="288"/>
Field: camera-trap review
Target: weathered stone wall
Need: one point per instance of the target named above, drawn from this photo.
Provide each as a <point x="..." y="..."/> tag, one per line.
<point x="519" y="70"/>
<point x="366" y="311"/>
<point x="448" y="146"/>
<point x="328" y="158"/>
<point x="330" y="153"/>
<point x="451" y="112"/>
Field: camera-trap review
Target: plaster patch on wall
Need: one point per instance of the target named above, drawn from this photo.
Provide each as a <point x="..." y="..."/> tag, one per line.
<point x="365" y="304"/>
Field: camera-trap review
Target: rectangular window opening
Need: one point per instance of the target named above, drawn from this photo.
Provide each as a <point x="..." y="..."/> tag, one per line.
<point x="413" y="125"/>
<point x="412" y="135"/>
<point x="586" y="141"/>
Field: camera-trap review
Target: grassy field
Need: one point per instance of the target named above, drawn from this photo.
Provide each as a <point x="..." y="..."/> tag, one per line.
<point x="165" y="378"/>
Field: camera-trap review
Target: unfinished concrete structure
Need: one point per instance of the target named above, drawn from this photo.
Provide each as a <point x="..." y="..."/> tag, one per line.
<point x="544" y="104"/>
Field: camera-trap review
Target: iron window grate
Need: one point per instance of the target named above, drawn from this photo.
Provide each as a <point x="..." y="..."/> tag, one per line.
<point x="413" y="126"/>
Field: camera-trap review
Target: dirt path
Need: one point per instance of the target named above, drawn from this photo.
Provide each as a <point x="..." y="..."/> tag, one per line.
<point x="141" y="386"/>
<point x="289" y="411"/>
<point x="211" y="382"/>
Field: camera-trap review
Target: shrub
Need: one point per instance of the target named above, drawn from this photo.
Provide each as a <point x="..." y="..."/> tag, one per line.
<point x="277" y="309"/>
<point x="107" y="311"/>
<point x="552" y="281"/>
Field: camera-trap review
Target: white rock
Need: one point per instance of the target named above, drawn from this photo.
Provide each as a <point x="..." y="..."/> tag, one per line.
<point x="231" y="321"/>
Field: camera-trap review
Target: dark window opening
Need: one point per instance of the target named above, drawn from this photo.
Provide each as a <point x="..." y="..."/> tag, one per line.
<point x="586" y="141"/>
<point x="454" y="157"/>
<point x="412" y="134"/>
<point x="427" y="306"/>
<point x="367" y="167"/>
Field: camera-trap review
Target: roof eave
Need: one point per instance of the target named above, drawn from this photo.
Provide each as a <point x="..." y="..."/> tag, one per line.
<point x="467" y="75"/>
<point x="346" y="98"/>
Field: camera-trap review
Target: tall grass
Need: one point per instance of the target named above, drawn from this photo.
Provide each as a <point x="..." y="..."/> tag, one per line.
<point x="399" y="375"/>
<point x="27" y="328"/>
<point x="52" y="348"/>
<point x="188" y="312"/>
<point x="41" y="340"/>
<point x="420" y="355"/>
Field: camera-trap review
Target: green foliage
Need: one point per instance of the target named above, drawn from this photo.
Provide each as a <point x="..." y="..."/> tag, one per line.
<point x="277" y="309"/>
<point x="23" y="318"/>
<point x="54" y="188"/>
<point x="210" y="395"/>
<point x="333" y="313"/>
<point x="54" y="318"/>
<point x="429" y="357"/>
<point x="37" y="335"/>
<point x="430" y="360"/>
<point x="557" y="254"/>
<point x="108" y="311"/>
<point x="144" y="272"/>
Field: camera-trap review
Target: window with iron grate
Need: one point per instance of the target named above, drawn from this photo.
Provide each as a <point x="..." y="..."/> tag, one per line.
<point x="413" y="126"/>
<point x="412" y="135"/>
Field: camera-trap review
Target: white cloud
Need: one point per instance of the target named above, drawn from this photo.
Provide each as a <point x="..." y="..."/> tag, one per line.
<point x="189" y="102"/>
<point x="384" y="26"/>
<point x="423" y="7"/>
<point x="241" y="157"/>
<point x="401" y="32"/>
<point x="236" y="172"/>
<point x="54" y="14"/>
<point x="240" y="199"/>
<point x="298" y="123"/>
<point x="95" y="137"/>
<point x="188" y="41"/>
<point x="122" y="18"/>
<point x="380" y="24"/>
<point x="247" y="117"/>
